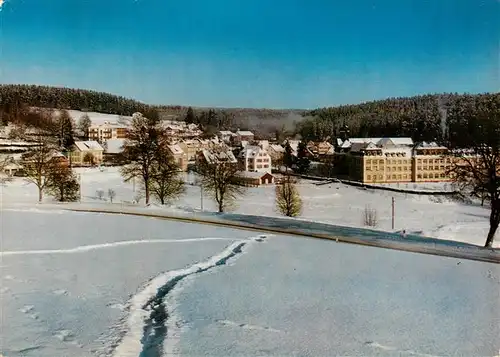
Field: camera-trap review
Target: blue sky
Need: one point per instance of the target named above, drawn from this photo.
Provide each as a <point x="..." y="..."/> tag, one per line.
<point x="258" y="53"/>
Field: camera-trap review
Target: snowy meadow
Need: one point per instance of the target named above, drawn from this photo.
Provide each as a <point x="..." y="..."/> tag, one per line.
<point x="89" y="284"/>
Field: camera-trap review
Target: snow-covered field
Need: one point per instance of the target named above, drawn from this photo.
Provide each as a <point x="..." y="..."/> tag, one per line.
<point x="96" y="118"/>
<point x="339" y="204"/>
<point x="85" y="284"/>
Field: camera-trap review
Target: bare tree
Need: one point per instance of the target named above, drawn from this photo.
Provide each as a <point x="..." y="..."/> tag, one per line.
<point x="166" y="183"/>
<point x="288" y="200"/>
<point x="99" y="194"/>
<point x="37" y="164"/>
<point x="111" y="195"/>
<point x="144" y="141"/>
<point x="477" y="168"/>
<point x="219" y="179"/>
<point x="89" y="159"/>
<point x="84" y="124"/>
<point x="62" y="182"/>
<point x="370" y="217"/>
<point x="4" y="163"/>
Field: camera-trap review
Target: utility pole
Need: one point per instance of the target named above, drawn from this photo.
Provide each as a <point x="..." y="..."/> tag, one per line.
<point x="393" y="212"/>
<point x="133" y="183"/>
<point x="80" y="177"/>
<point x="201" y="196"/>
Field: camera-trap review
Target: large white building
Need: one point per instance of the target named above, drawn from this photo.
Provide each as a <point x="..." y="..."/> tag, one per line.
<point x="255" y="159"/>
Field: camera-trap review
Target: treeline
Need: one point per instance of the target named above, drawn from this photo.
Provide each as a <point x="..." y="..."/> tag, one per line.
<point x="439" y="117"/>
<point x="16" y="95"/>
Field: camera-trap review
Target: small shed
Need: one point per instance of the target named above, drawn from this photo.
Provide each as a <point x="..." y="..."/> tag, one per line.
<point x="249" y="178"/>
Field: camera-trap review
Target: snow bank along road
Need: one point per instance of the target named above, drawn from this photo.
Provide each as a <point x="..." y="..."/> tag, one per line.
<point x="367" y="237"/>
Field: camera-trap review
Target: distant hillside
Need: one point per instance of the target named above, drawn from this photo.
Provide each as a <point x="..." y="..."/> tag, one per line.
<point x="439" y="117"/>
<point x="426" y="117"/>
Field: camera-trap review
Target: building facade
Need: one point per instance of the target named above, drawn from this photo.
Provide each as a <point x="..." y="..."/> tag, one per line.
<point x="86" y="153"/>
<point x="394" y="160"/>
<point x="254" y="159"/>
<point x="106" y="131"/>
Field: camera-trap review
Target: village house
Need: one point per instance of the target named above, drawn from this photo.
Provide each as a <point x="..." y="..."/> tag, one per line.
<point x="179" y="156"/>
<point x="226" y="136"/>
<point x="321" y="148"/>
<point x="254" y="179"/>
<point x="243" y="135"/>
<point x="215" y="156"/>
<point x="106" y="131"/>
<point x="180" y="129"/>
<point x="254" y="158"/>
<point x="276" y="153"/>
<point x="85" y="153"/>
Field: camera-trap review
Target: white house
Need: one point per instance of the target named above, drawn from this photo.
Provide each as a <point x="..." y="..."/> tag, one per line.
<point x="255" y="159"/>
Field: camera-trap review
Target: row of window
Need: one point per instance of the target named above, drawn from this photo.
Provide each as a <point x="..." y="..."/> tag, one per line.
<point x="431" y="175"/>
<point x="435" y="167"/>
<point x="407" y="176"/>
<point x="262" y="166"/>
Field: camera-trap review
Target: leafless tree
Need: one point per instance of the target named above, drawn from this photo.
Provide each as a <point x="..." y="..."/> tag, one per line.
<point x="84" y="124"/>
<point x="477" y="168"/>
<point x="370" y="217"/>
<point x="220" y="180"/>
<point x="89" y="159"/>
<point x="166" y="183"/>
<point x="62" y="182"/>
<point x="288" y="200"/>
<point x="111" y="195"/>
<point x="4" y="163"/>
<point x="37" y="164"/>
<point x="99" y="194"/>
<point x="144" y="141"/>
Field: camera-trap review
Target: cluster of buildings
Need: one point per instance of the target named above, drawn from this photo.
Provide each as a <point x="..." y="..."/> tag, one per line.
<point x="367" y="160"/>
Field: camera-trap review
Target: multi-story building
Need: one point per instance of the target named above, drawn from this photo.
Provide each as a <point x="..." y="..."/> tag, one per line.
<point x="431" y="162"/>
<point x="255" y="159"/>
<point x="391" y="160"/>
<point x="106" y="131"/>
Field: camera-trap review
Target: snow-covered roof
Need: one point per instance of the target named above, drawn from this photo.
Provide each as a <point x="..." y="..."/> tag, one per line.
<point x="244" y="133"/>
<point x="429" y="145"/>
<point x="226" y="132"/>
<point x="252" y="174"/>
<point x="89" y="145"/>
<point x="114" y="146"/>
<point x="251" y="151"/>
<point x="219" y="156"/>
<point x="382" y="142"/>
<point x="277" y="148"/>
<point x="175" y="149"/>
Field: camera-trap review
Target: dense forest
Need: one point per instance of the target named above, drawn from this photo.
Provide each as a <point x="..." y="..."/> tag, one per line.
<point x="436" y="117"/>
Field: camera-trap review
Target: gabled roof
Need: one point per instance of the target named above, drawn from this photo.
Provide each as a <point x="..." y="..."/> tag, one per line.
<point x="244" y="133"/>
<point x="219" y="156"/>
<point x="89" y="145"/>
<point x="175" y="149"/>
<point x="252" y="174"/>
<point x="251" y="151"/>
<point x="226" y="132"/>
<point x="277" y="148"/>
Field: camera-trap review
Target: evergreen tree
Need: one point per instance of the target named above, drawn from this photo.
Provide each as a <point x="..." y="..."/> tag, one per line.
<point x="303" y="162"/>
<point x="190" y="116"/>
<point x="288" y="156"/>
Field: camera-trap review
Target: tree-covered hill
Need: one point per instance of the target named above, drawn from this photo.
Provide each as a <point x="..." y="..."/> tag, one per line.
<point x="440" y="117"/>
<point x="427" y="117"/>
